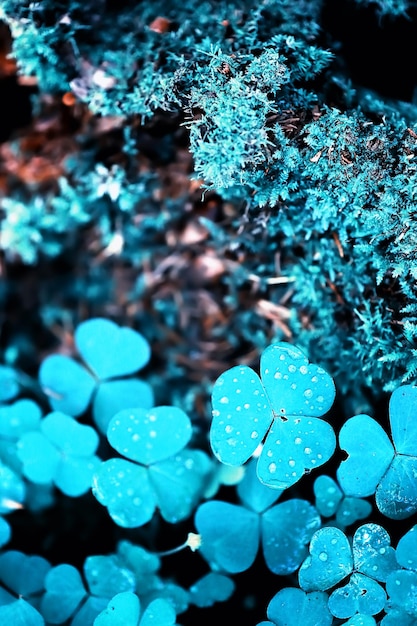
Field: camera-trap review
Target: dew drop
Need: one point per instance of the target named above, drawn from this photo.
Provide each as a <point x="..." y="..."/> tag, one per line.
<point x="272" y="467"/>
<point x="297" y="440"/>
<point x="153" y="434"/>
<point x="246" y="406"/>
<point x="303" y="369"/>
<point x="277" y="375"/>
<point x="382" y="551"/>
<point x="269" y="453"/>
<point x="224" y="400"/>
<point x="291" y="463"/>
<point x="307" y="450"/>
<point x="293" y="386"/>
<point x="228" y="429"/>
<point x="254" y="435"/>
<point x="135" y="437"/>
<point x="292" y="368"/>
<point x="333" y="542"/>
<point x="308" y="393"/>
<point x="215" y="413"/>
<point x="323" y="556"/>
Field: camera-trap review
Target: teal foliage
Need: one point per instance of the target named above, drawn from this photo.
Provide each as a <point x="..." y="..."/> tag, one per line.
<point x="288" y="217"/>
<point x="110" y="353"/>
<point x="391" y="473"/>
<point x="163" y="474"/>
<point x="285" y="404"/>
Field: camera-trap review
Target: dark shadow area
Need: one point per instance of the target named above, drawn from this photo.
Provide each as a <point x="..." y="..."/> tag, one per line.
<point x="378" y="52"/>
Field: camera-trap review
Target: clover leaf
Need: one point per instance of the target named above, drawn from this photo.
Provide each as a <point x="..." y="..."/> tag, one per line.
<point x="9" y="384"/>
<point x="211" y="588"/>
<point x="284" y="406"/>
<point x="125" y="610"/>
<point x="331" y="501"/>
<point x="159" y="473"/>
<point x="22" y="583"/>
<point x="370" y="560"/>
<point x="294" y="607"/>
<point x="62" y="452"/>
<point x="68" y="598"/>
<point x="376" y="466"/>
<point x="15" y="420"/>
<point x="284" y="529"/>
<point x="109" y="352"/>
<point x="402" y="584"/>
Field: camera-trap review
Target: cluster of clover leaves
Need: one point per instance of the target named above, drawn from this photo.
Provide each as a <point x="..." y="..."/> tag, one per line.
<point x="267" y="432"/>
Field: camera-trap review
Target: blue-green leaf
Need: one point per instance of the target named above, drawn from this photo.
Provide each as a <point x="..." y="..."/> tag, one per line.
<point x="67" y="384"/>
<point x="287" y="402"/>
<point x="294" y="386"/>
<point x="122" y="610"/>
<point x="402" y="414"/>
<point x="179" y="483"/>
<point x="396" y="495"/>
<point x="64" y="593"/>
<point x="211" y="588"/>
<point x="370" y="454"/>
<point x="124" y="488"/>
<point x="115" y="395"/>
<point x="407" y="549"/>
<point x="294" y="607"/>
<point x="159" y="612"/>
<point x="109" y="350"/>
<point x="224" y="529"/>
<point x="149" y="436"/>
<point x="360" y="595"/>
<point x="372" y="552"/>
<point x="330" y="560"/>
<point x="242" y="415"/>
<point x="286" y="530"/>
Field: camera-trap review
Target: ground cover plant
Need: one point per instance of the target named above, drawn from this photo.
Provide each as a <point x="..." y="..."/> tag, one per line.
<point x="208" y="358"/>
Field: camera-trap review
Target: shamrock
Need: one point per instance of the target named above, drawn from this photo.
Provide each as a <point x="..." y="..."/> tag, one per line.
<point x="16" y="419"/>
<point x="22" y="583"/>
<point x="110" y="353"/>
<point x="402" y="584"/>
<point x="376" y="466"/>
<point x="284" y="405"/>
<point x="368" y="561"/>
<point x="159" y="472"/>
<point x="62" y="452"/>
<point x="294" y="607"/>
<point x="68" y="598"/>
<point x="330" y="501"/>
<point x="284" y="530"/>
<point x="125" y="610"/>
